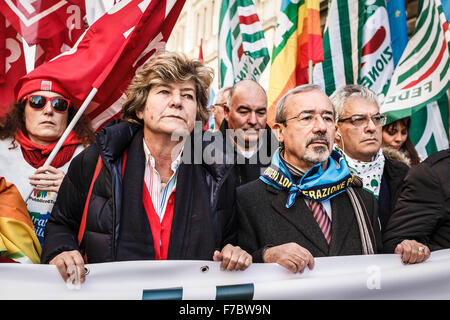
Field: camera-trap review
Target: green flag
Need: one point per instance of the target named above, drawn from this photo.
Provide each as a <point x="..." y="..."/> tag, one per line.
<point x="243" y="52"/>
<point x="418" y="88"/>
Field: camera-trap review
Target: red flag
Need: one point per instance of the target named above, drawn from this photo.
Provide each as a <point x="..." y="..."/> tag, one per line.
<point x="47" y="49"/>
<point x="200" y="50"/>
<point x="107" y="58"/>
<point x="2" y="49"/>
<point x="13" y="62"/>
<point x="42" y="19"/>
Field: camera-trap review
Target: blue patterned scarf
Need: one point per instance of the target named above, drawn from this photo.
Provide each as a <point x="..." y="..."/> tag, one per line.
<point x="316" y="184"/>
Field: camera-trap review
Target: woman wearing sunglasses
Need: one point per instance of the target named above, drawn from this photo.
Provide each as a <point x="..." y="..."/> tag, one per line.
<point x="28" y="134"/>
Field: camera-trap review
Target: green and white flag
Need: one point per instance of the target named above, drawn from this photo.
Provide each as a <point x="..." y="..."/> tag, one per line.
<point x="429" y="127"/>
<point x="243" y="52"/>
<point x="418" y="88"/>
<point x="356" y="45"/>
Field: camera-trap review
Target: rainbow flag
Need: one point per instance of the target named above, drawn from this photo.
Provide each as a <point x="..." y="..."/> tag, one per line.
<point x="297" y="41"/>
<point x="18" y="240"/>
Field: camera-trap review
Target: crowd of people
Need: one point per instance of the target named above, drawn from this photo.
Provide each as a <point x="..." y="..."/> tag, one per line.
<point x="330" y="178"/>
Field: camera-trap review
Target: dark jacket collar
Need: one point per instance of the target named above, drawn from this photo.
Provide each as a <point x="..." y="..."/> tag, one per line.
<point x="114" y="138"/>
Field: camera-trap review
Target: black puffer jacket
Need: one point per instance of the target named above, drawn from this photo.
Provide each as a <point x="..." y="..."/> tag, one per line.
<point x="423" y="209"/>
<point x="391" y="185"/>
<point x="117" y="226"/>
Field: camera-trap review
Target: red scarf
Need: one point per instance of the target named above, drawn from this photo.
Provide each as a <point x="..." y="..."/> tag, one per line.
<point x="36" y="155"/>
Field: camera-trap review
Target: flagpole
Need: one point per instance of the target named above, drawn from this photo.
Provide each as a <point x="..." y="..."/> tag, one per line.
<point x="68" y="130"/>
<point x="310" y="71"/>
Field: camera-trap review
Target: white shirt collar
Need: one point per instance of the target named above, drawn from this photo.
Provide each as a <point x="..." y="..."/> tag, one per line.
<point x="149" y="158"/>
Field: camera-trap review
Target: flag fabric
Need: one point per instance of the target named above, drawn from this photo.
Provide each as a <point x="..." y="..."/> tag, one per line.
<point x="2" y="49"/>
<point x="200" y="50"/>
<point x="446" y="8"/>
<point x="429" y="127"/>
<point x="211" y="121"/>
<point x="46" y="49"/>
<point x="418" y="88"/>
<point x="13" y="61"/>
<point x="18" y="240"/>
<point x="107" y="58"/>
<point x="399" y="30"/>
<point x="41" y="19"/>
<point x="242" y="49"/>
<point x="357" y="46"/>
<point x="297" y="41"/>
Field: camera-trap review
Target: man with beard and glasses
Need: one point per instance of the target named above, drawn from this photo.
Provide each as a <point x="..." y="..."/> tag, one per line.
<point x="307" y="203"/>
<point x="358" y="139"/>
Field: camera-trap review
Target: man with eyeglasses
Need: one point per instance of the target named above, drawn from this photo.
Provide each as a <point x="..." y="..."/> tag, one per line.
<point x="307" y="203"/>
<point x="358" y="139"/>
<point x="217" y="108"/>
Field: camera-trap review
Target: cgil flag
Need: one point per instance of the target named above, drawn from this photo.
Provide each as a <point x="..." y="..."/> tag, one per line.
<point x="105" y="59"/>
<point x="429" y="127"/>
<point x="13" y="62"/>
<point x="42" y="19"/>
<point x="54" y="26"/>
<point x="418" y="88"/>
<point x="357" y="46"/>
<point x="2" y="49"/>
<point x="242" y="49"/>
<point x="47" y="49"/>
<point x="297" y="41"/>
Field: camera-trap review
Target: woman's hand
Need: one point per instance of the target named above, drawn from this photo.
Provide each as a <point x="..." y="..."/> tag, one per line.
<point x="47" y="178"/>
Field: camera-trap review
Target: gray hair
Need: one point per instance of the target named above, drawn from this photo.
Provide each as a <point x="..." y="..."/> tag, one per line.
<point x="280" y="115"/>
<point x="340" y="97"/>
<point x="220" y="93"/>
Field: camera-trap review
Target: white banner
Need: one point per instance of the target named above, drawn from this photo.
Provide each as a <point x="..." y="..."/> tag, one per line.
<point x="349" y="277"/>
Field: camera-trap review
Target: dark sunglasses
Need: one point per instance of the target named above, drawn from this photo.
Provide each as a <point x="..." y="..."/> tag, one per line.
<point x="38" y="102"/>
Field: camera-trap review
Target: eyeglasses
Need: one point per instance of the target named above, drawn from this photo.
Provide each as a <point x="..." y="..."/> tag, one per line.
<point x="38" y="102"/>
<point x="306" y="119"/>
<point x="363" y="120"/>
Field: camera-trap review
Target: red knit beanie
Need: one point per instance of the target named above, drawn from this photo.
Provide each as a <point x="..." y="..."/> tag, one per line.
<point x="31" y="85"/>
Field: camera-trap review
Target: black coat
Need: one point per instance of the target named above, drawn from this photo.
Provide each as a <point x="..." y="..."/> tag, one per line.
<point x="246" y="170"/>
<point x="264" y="221"/>
<point x="117" y="226"/>
<point x="391" y="185"/>
<point x="423" y="209"/>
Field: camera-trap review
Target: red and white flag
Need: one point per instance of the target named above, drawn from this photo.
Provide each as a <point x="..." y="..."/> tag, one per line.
<point x="12" y="61"/>
<point x="2" y="48"/>
<point x="46" y="49"/>
<point x="43" y="19"/>
<point x="109" y="54"/>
